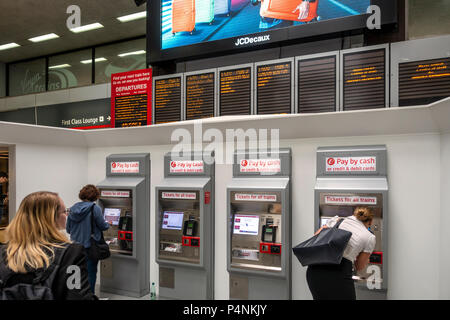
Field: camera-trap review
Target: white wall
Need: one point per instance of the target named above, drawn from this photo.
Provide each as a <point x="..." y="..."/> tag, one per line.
<point x="50" y="168"/>
<point x="413" y="212"/>
<point x="444" y="252"/>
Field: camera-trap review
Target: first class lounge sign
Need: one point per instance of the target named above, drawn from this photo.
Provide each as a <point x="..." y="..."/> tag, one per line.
<point x="351" y="164"/>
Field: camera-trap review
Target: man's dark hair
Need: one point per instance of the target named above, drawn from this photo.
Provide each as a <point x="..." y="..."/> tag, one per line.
<point x="89" y="193"/>
<point x="3" y="175"/>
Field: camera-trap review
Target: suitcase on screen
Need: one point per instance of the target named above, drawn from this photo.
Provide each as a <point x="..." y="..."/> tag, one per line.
<point x="288" y="10"/>
<point x="222" y="7"/>
<point x="204" y="11"/>
<point x="183" y="16"/>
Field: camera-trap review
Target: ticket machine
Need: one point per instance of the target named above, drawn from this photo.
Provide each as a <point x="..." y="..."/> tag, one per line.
<point x="351" y="177"/>
<point x="125" y="203"/>
<point x="259" y="226"/>
<point x="185" y="228"/>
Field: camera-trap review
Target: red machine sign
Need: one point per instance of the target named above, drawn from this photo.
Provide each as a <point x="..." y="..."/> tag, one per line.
<point x="351" y="164"/>
<point x="131" y="98"/>
<point x="261" y="165"/>
<point x="125" y="167"/>
<point x="188" y="166"/>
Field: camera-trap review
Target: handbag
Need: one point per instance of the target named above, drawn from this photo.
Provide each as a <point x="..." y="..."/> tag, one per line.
<point x="99" y="250"/>
<point x="327" y="247"/>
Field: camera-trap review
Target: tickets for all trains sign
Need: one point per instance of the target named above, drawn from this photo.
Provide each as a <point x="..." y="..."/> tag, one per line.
<point x="350" y="200"/>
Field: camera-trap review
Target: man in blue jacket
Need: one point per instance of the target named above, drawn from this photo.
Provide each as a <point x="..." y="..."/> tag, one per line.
<point x="79" y="225"/>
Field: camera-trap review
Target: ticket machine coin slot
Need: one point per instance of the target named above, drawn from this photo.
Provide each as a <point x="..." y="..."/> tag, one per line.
<point x="191" y="241"/>
<point x="376" y="258"/>
<point x="270" y="248"/>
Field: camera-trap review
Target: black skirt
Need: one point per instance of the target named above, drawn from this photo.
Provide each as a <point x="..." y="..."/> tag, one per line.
<point x="331" y="282"/>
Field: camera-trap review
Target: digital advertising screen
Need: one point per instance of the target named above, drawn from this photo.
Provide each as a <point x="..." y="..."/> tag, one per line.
<point x="206" y="26"/>
<point x="112" y="216"/>
<point x="245" y="224"/>
<point x="172" y="220"/>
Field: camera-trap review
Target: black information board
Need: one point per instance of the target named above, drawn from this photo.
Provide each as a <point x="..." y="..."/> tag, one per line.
<point x="167" y="100"/>
<point x="200" y="95"/>
<point x="317" y="85"/>
<point x="84" y="114"/>
<point x="235" y="91"/>
<point x="131" y="111"/>
<point x="26" y="115"/>
<point x="364" y="80"/>
<point x="423" y="82"/>
<point x="274" y="88"/>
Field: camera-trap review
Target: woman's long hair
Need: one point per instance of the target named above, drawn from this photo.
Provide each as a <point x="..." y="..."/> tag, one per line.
<point x="33" y="233"/>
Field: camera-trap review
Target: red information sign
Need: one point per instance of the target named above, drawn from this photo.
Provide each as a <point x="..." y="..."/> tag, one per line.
<point x="131" y="98"/>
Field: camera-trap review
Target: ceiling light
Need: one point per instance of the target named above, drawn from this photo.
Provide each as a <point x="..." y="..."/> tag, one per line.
<point x="9" y="46"/>
<point x="87" y="27"/>
<point x="134" y="16"/>
<point x="134" y="53"/>
<point x="45" y="37"/>
<point x="96" y="60"/>
<point x="60" y="66"/>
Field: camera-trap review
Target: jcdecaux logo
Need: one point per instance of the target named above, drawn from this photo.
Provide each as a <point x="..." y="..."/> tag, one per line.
<point x="250" y="40"/>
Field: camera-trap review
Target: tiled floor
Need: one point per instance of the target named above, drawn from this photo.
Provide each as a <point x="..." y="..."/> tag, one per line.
<point x="111" y="296"/>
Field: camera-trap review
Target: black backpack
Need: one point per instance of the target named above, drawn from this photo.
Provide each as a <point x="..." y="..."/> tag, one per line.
<point x="41" y="286"/>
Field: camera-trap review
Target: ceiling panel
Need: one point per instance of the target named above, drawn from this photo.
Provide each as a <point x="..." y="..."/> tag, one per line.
<point x="24" y="19"/>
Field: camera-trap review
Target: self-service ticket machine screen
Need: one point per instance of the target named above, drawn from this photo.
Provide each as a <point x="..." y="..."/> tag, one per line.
<point x="118" y="212"/>
<point x="124" y="200"/>
<point x="185" y="228"/>
<point x="349" y="178"/>
<point x="259" y="227"/>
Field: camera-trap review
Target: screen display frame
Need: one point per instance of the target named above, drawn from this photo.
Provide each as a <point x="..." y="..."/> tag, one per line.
<point x="115" y="210"/>
<point x="156" y="54"/>
<point x="171" y="213"/>
<point x="246" y="233"/>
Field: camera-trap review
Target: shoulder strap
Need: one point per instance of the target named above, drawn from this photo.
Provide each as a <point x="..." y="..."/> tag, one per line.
<point x="92" y="219"/>
<point x="338" y="223"/>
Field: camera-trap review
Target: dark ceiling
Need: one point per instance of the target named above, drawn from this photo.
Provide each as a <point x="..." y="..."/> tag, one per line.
<point x="24" y="19"/>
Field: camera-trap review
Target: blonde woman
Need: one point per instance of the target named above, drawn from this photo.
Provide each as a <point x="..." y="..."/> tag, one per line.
<point x="36" y="247"/>
<point x="334" y="282"/>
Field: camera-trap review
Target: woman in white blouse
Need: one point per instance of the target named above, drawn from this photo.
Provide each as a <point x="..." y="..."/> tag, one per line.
<point x="334" y="282"/>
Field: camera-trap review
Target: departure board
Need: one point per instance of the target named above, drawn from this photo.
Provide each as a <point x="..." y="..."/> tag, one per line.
<point x="131" y="111"/>
<point x="235" y="95"/>
<point x="167" y="100"/>
<point x="317" y="85"/>
<point x="131" y="98"/>
<point x="364" y="80"/>
<point x="423" y="82"/>
<point x="274" y="88"/>
<point x="200" y="96"/>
